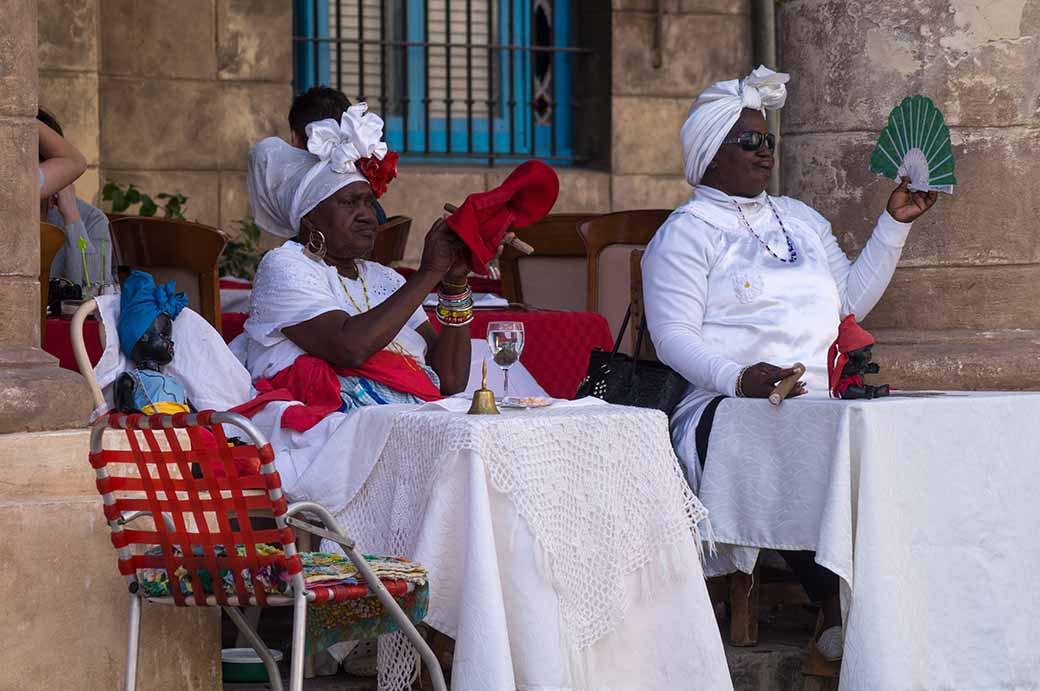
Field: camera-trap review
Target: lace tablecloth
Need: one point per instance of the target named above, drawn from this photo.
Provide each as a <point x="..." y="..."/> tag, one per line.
<point x="925" y="507"/>
<point x="560" y="544"/>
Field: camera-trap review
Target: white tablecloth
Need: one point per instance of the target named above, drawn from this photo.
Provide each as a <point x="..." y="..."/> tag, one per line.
<point x="559" y="544"/>
<point x="925" y="507"/>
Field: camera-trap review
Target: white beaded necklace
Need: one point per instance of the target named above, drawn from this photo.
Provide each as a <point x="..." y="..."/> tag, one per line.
<point x="792" y="253"/>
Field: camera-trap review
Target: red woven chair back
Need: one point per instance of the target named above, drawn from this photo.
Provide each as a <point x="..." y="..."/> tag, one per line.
<point x="192" y="516"/>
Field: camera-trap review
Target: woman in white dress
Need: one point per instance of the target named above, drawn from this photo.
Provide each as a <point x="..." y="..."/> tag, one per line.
<point x="740" y="285"/>
<point x="336" y="330"/>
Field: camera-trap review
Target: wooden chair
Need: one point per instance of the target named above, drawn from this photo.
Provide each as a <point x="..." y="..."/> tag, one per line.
<point x="174" y="250"/>
<point x="51" y="239"/>
<point x="635" y="272"/>
<point x="554" y="276"/>
<point x="392" y="240"/>
<point x="609" y="240"/>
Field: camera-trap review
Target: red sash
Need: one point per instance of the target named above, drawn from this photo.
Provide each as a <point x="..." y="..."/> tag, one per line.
<point x="313" y="382"/>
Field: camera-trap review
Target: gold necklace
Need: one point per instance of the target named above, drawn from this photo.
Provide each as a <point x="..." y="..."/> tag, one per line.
<point x="394" y="345"/>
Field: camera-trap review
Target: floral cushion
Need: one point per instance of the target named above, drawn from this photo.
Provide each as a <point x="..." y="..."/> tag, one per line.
<point x="352" y="619"/>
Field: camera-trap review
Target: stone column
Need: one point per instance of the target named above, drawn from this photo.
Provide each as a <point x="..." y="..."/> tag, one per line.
<point x="35" y="394"/>
<point x="961" y="311"/>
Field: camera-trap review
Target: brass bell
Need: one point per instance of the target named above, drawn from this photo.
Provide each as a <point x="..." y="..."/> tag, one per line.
<point x="483" y="398"/>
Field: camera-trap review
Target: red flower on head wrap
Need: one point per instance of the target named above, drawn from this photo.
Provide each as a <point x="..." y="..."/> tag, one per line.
<point x="379" y="172"/>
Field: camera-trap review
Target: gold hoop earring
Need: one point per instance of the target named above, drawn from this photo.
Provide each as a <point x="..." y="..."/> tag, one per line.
<point x="315" y="248"/>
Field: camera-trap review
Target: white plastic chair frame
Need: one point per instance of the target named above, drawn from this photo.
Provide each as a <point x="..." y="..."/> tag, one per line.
<point x="301" y="596"/>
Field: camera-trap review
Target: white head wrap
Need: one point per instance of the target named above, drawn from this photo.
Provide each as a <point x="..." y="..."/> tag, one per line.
<point x="717" y="109"/>
<point x="285" y="183"/>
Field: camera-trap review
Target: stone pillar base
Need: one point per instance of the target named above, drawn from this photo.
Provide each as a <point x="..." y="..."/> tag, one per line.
<point x="37" y="395"/>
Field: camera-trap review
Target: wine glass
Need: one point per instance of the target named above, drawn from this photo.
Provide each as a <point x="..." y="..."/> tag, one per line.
<point x="506" y="342"/>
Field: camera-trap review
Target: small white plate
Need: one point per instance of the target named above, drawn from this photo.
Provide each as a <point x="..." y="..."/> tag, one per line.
<point x="528" y="402"/>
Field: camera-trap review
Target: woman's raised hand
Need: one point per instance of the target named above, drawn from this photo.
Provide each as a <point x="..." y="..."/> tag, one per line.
<point x="906" y="206"/>
<point x="441" y="250"/>
<point x="759" y="380"/>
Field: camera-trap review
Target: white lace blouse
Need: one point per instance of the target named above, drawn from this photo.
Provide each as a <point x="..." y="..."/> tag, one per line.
<point x="719" y="298"/>
<point x="291" y="288"/>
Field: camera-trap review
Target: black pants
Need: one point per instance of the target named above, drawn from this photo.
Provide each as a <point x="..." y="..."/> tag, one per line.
<point x="819" y="583"/>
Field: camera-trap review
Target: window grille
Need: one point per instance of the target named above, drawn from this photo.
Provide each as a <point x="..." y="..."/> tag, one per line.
<point x="455" y="80"/>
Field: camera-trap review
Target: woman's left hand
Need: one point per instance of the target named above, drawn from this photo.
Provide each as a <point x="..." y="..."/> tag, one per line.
<point x="906" y="206"/>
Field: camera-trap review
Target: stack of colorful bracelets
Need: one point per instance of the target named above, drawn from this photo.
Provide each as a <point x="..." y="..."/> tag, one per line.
<point x="456" y="305"/>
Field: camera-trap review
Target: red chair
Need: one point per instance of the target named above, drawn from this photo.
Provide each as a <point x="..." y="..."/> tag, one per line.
<point x="202" y="514"/>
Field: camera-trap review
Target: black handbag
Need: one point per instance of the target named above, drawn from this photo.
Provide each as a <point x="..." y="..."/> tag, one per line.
<point x="618" y="378"/>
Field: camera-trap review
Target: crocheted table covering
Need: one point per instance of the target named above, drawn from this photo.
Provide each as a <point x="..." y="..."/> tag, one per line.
<point x="598" y="486"/>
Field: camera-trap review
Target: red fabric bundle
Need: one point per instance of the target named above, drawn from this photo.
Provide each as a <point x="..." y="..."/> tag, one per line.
<point x="851" y="336"/>
<point x="313" y="382"/>
<point x="525" y="197"/>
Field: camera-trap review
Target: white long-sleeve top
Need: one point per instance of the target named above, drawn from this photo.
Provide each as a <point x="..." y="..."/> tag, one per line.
<point x="717" y="299"/>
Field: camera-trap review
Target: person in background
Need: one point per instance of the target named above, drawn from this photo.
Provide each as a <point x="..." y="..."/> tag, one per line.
<point x="320" y="103"/>
<point x="61" y="163"/>
<point x="78" y="219"/>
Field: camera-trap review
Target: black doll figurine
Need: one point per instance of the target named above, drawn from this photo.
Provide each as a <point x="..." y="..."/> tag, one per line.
<point x="146" y="315"/>
<point x="849" y="359"/>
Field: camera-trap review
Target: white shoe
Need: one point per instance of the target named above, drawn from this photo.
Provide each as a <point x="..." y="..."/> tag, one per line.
<point x="830" y="644"/>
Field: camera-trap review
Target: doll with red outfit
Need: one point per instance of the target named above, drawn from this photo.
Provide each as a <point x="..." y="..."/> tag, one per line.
<point x="849" y="358"/>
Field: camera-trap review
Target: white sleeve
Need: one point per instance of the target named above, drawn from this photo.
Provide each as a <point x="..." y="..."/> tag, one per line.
<point x="675" y="288"/>
<point x="288" y="289"/>
<point x="862" y="283"/>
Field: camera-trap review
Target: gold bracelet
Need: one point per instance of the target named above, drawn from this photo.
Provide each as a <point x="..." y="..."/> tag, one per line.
<point x="740" y="381"/>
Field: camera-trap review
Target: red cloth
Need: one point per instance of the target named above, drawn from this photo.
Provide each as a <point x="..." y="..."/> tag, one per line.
<point x="851" y="336"/>
<point x="556" y="344"/>
<point x="313" y="382"/>
<point x="232" y="324"/>
<point x="523" y="198"/>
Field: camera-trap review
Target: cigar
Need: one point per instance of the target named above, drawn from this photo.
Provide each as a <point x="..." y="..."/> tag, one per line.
<point x="784" y="388"/>
<point x="516" y="243"/>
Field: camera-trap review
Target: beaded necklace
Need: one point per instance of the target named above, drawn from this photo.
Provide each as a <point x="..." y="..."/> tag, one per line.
<point x="394" y="345"/>
<point x="792" y="253"/>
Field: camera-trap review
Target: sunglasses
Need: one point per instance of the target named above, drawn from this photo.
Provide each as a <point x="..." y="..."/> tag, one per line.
<point x="752" y="141"/>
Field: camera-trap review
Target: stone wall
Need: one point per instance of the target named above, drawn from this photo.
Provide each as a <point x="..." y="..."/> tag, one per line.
<point x="169" y="95"/>
<point x="177" y="110"/>
<point x="961" y="310"/>
<point x="65" y="603"/>
<point x="703" y="41"/>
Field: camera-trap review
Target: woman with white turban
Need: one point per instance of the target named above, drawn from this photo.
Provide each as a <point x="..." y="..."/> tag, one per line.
<point x="739" y="284"/>
<point x="335" y="330"/>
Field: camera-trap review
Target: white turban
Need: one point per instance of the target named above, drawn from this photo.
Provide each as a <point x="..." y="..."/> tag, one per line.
<point x="717" y="110"/>
<point x="285" y="183"/>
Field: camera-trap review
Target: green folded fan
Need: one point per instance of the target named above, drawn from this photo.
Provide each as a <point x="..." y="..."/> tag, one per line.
<point x="916" y="143"/>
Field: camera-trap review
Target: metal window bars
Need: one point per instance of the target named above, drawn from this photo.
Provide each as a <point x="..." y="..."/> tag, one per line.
<point x="459" y="80"/>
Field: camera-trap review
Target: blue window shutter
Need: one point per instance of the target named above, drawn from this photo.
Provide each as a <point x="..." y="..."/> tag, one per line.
<point x="418" y="127"/>
<point x="311" y="20"/>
